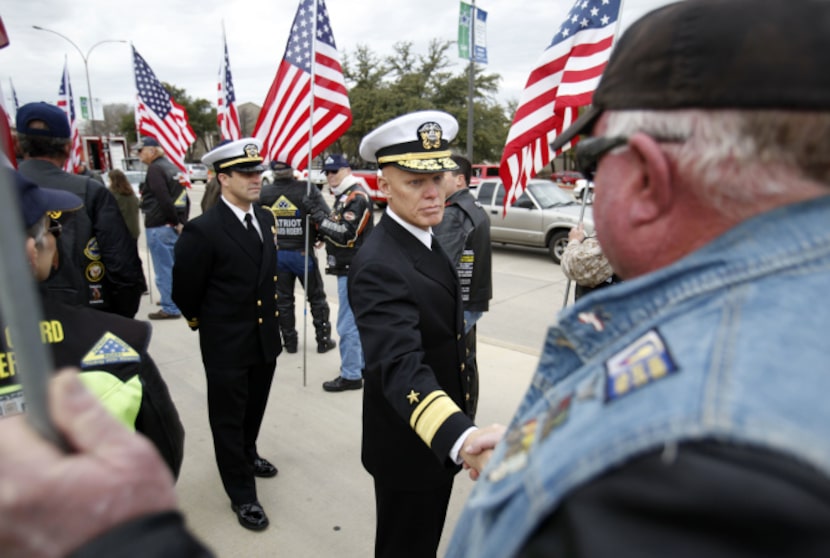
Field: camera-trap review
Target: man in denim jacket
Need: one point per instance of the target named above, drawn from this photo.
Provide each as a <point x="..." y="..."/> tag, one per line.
<point x="684" y="412"/>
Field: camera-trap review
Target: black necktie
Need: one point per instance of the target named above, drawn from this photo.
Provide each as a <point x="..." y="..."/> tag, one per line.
<point x="249" y="224"/>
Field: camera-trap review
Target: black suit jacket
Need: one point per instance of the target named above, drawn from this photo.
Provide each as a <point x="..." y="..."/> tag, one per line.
<point x="227" y="289"/>
<point x="407" y="305"/>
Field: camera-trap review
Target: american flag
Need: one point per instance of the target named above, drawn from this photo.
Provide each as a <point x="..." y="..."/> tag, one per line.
<point x="6" y="123"/>
<point x="226" y="114"/>
<point x="564" y="79"/>
<point x="66" y="101"/>
<point x="283" y="124"/>
<point x="157" y="115"/>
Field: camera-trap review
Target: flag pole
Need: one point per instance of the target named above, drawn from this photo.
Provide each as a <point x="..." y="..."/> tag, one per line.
<point x="308" y="245"/>
<point x="149" y="257"/>
<point x="471" y="84"/>
<point x="588" y="185"/>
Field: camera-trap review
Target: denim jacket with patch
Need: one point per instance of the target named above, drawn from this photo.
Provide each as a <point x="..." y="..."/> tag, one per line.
<point x="730" y="343"/>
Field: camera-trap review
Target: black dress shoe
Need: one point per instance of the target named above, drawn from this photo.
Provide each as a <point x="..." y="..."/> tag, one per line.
<point x="326" y="345"/>
<point x="342" y="384"/>
<point x="290" y="348"/>
<point x="264" y="468"/>
<point x="251" y="516"/>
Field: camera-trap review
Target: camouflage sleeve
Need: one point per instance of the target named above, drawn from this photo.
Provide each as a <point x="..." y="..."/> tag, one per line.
<point x="584" y="263"/>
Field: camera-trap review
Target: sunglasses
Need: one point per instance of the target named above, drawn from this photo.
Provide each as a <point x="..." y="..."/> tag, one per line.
<point x="589" y="152"/>
<point x="331" y="172"/>
<point x="55" y="228"/>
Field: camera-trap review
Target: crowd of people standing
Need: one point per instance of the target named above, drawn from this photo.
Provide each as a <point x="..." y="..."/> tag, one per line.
<point x="677" y="413"/>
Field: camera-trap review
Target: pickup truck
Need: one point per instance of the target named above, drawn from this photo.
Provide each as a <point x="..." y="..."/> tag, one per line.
<point x="542" y="216"/>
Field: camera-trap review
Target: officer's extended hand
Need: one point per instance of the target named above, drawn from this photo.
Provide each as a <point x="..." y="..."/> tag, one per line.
<point x="50" y="502"/>
<point x="478" y="448"/>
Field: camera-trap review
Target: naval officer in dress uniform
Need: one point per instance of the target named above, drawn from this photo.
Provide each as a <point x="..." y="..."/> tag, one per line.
<point x="224" y="282"/>
<point x="406" y="299"/>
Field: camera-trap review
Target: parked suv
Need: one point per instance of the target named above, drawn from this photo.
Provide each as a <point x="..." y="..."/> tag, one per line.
<point x="197" y="172"/>
<point x="542" y="215"/>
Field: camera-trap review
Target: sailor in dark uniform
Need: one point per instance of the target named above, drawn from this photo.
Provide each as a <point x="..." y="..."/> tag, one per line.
<point x="406" y="298"/>
<point x="224" y="282"/>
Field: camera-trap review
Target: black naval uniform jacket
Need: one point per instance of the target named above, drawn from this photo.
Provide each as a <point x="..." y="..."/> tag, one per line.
<point x="94" y="341"/>
<point x="407" y="305"/>
<point x="464" y="233"/>
<point x="226" y="290"/>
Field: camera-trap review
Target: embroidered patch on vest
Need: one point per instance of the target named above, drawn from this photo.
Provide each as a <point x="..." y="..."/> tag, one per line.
<point x="557" y="416"/>
<point x="94" y="272"/>
<point x="283" y="208"/>
<point x="110" y="349"/>
<point x="91" y="250"/>
<point x="643" y="362"/>
<point x="518" y="442"/>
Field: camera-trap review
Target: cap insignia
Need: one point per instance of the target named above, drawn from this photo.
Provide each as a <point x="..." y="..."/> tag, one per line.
<point x="430" y="135"/>
<point x="251" y="150"/>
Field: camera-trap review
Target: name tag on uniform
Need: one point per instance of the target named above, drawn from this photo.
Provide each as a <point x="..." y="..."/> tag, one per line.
<point x="640" y="364"/>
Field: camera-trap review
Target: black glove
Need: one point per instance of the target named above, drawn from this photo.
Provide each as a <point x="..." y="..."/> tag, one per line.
<point x="313" y="208"/>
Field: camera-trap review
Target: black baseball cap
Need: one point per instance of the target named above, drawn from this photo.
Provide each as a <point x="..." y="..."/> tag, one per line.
<point x="717" y="54"/>
<point x="53" y="121"/>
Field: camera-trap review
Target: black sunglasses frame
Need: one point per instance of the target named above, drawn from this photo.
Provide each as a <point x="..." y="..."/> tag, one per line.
<point x="590" y="151"/>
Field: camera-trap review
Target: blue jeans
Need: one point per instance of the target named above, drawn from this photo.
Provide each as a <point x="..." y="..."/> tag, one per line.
<point x="470" y="319"/>
<point x="351" y="352"/>
<point x="160" y="242"/>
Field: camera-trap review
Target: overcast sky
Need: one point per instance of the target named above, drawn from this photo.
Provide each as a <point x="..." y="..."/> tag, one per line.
<point x="181" y="40"/>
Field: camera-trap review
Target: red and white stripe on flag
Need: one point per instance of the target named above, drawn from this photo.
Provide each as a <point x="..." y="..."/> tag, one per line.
<point x="66" y="101"/>
<point x="226" y="114"/>
<point x="157" y="115"/>
<point x="286" y="116"/>
<point x="563" y="80"/>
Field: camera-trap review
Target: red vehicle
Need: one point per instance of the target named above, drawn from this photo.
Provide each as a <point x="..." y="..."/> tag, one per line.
<point x="566" y="178"/>
<point x="370" y="181"/>
<point x="483" y="172"/>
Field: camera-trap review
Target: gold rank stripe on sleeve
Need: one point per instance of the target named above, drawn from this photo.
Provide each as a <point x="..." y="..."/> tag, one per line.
<point x="431" y="413"/>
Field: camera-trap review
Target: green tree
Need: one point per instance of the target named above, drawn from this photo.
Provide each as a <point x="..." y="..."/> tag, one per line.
<point x="383" y="88"/>
<point x="202" y="117"/>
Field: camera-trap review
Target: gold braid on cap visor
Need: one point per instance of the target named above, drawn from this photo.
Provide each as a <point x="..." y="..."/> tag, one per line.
<point x="436" y="160"/>
<point x="232" y="162"/>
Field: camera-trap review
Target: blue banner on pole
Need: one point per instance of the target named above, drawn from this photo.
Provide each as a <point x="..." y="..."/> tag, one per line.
<point x="480" y="47"/>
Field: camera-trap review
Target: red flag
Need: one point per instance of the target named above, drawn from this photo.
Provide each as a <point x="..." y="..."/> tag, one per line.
<point x="67" y="102"/>
<point x="4" y="37"/>
<point x="7" y="157"/>
<point x="563" y="80"/>
<point x="283" y="124"/>
<point x="157" y="115"/>
<point x="226" y="114"/>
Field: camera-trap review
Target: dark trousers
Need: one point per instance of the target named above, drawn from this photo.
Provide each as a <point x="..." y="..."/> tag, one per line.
<point x="236" y="404"/>
<point x="291" y="268"/>
<point x="410" y="522"/>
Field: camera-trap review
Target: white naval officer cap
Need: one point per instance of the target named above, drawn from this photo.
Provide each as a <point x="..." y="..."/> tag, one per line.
<point x="240" y="155"/>
<point x="415" y="142"/>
